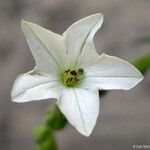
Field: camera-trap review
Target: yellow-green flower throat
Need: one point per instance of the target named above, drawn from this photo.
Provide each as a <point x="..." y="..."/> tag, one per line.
<point x="72" y="77"/>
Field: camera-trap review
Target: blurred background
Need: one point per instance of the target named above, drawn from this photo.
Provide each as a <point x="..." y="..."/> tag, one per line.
<point x="124" y="115"/>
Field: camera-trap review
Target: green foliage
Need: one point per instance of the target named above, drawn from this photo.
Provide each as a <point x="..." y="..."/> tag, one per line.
<point x="47" y="144"/>
<point x="142" y="40"/>
<point x="55" y="119"/>
<point x="143" y="63"/>
<point x="43" y="134"/>
<point x="40" y="133"/>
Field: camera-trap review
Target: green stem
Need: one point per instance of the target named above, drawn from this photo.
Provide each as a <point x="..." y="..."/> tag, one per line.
<point x="44" y="133"/>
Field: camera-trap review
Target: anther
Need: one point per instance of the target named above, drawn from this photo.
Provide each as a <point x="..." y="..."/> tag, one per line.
<point x="80" y="71"/>
<point x="73" y="72"/>
<point x="67" y="71"/>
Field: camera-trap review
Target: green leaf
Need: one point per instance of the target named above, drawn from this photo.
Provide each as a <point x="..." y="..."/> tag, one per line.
<point x="142" y="40"/>
<point x="143" y="63"/>
<point x="55" y="119"/>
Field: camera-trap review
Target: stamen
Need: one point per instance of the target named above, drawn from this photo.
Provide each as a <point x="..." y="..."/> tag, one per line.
<point x="80" y="71"/>
<point x="72" y="77"/>
<point x="73" y="72"/>
<point x="67" y="71"/>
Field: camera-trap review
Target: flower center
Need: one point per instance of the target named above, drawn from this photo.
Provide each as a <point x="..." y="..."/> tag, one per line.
<point x="72" y="77"/>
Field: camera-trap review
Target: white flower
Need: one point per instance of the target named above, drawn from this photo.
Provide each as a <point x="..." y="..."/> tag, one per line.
<point x="69" y="69"/>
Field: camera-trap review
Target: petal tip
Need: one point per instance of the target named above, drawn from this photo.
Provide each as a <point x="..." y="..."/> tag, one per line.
<point x="87" y="134"/>
<point x="14" y="100"/>
<point x="141" y="77"/>
<point x="13" y="96"/>
<point x="23" y="22"/>
<point x="99" y="16"/>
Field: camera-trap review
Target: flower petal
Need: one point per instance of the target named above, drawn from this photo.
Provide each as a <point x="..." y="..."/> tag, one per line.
<point x="79" y="40"/>
<point x="33" y="86"/>
<point x="46" y="47"/>
<point x="109" y="72"/>
<point x="81" y="108"/>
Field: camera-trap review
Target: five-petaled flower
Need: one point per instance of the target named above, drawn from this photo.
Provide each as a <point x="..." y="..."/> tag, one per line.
<point x="69" y="69"/>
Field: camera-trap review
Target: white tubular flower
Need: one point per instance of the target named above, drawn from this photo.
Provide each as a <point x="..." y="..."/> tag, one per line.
<point x="69" y="69"/>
